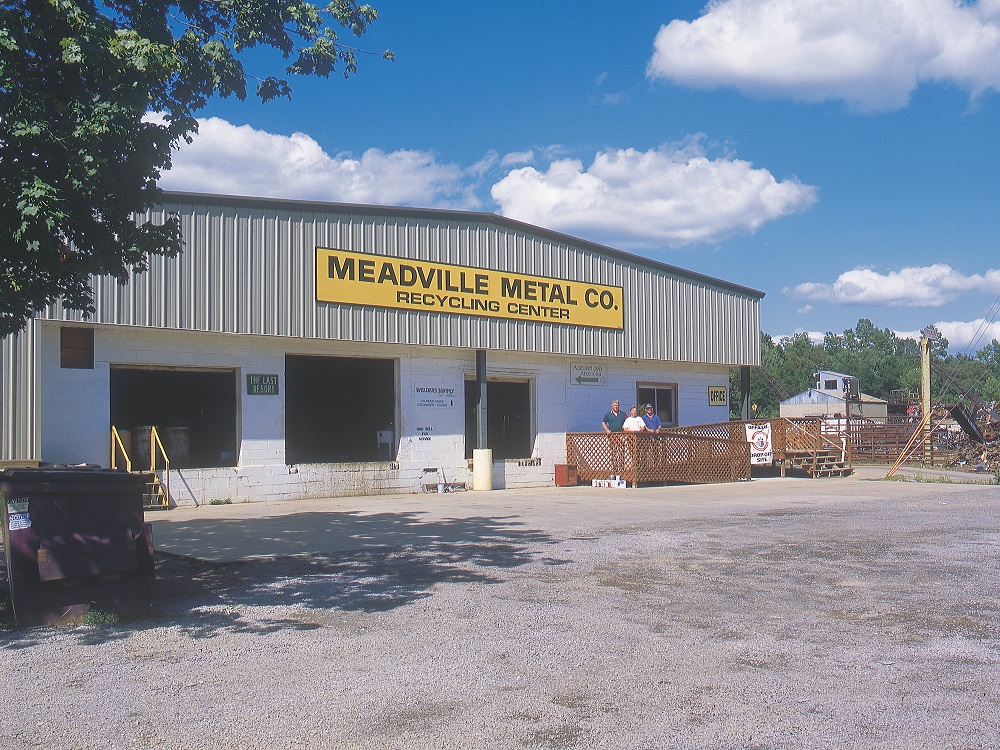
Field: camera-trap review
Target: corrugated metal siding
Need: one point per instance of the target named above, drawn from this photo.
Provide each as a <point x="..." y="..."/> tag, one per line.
<point x="250" y="269"/>
<point x="19" y="412"/>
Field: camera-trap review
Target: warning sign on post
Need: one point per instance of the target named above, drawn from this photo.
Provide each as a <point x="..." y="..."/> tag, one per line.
<point x="759" y="437"/>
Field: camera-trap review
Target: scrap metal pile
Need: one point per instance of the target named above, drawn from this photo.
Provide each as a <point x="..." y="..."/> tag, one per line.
<point x="957" y="441"/>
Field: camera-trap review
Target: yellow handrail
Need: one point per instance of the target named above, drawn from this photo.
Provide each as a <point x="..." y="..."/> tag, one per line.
<point x="116" y="442"/>
<point x="154" y="443"/>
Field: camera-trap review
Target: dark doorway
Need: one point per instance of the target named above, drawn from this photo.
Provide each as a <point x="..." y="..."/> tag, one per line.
<point x="339" y="409"/>
<point x="194" y="412"/>
<point x="508" y="418"/>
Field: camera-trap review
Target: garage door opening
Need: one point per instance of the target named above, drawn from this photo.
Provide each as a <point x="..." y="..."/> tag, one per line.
<point x="194" y="412"/>
<point x="339" y="409"/>
<point x="508" y="418"/>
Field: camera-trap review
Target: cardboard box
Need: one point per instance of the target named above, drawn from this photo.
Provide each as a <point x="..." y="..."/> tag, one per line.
<point x="615" y="483"/>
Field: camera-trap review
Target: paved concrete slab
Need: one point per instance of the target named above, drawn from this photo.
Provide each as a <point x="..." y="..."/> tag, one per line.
<point x="223" y="533"/>
<point x="780" y="614"/>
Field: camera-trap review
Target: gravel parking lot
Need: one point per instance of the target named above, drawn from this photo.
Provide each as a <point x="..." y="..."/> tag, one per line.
<point x="780" y="613"/>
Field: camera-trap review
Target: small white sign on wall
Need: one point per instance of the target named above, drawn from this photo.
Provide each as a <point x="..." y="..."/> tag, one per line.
<point x="581" y="374"/>
<point x="434" y="397"/>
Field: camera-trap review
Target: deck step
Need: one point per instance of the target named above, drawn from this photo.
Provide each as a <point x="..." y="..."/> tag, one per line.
<point x="824" y="463"/>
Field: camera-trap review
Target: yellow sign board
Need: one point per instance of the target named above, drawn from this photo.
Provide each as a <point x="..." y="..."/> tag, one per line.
<point x="382" y="281"/>
<point x="718" y="395"/>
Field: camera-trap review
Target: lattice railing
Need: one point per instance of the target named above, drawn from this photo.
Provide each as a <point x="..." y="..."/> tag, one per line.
<point x="787" y="435"/>
<point x="671" y="456"/>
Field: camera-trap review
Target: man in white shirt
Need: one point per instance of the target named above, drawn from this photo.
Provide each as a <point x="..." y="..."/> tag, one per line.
<point x="634" y="423"/>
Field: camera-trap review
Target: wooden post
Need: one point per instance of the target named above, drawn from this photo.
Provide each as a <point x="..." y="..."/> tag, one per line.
<point x="925" y="396"/>
<point x="745" y="392"/>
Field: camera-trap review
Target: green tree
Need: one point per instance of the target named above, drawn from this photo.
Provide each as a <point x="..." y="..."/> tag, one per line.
<point x="877" y="357"/>
<point x="990" y="356"/>
<point x="787" y="367"/>
<point x="79" y="156"/>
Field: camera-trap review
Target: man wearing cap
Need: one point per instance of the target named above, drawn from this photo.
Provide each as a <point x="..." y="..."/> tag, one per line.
<point x="652" y="420"/>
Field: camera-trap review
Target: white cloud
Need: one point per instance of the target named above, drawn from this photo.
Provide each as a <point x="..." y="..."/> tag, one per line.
<point x="804" y="310"/>
<point x="673" y="195"/>
<point x="970" y="335"/>
<point x="484" y="165"/>
<point x="816" y="337"/>
<point x="914" y="286"/>
<point x="869" y="53"/>
<point x="241" y="160"/>
<point x="515" y="158"/>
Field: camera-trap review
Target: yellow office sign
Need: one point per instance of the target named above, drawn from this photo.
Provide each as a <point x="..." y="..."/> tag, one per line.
<point x="381" y="281"/>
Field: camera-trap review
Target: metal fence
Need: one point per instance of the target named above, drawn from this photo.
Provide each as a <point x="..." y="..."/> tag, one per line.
<point x="883" y="442"/>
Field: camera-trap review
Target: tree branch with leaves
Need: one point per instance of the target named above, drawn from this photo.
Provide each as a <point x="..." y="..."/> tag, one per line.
<point x="79" y="155"/>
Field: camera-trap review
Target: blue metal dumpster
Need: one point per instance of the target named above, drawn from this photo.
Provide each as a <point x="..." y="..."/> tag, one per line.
<point x="76" y="542"/>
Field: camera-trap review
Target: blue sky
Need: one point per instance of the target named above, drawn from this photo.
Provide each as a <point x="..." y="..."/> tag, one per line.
<point x="839" y="155"/>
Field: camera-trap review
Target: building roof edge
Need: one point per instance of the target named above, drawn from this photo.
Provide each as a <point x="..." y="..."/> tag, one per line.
<point x="455" y="214"/>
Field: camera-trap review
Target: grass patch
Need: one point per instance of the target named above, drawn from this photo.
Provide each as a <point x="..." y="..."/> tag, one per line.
<point x="936" y="479"/>
<point x="99" y="617"/>
<point x="220" y="501"/>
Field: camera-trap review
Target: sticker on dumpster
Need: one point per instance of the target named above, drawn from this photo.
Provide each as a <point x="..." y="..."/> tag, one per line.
<point x="16" y="521"/>
<point x="17" y="505"/>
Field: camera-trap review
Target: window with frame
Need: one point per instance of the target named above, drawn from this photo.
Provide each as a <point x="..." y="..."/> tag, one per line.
<point x="663" y="397"/>
<point x="76" y="348"/>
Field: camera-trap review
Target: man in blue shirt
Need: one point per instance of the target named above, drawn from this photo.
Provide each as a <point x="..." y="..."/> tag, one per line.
<point x="653" y="423"/>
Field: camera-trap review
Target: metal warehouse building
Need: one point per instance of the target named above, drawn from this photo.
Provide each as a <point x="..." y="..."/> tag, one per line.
<point x="302" y="349"/>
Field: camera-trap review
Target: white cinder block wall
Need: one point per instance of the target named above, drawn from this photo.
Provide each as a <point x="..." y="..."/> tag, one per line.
<point x="76" y="410"/>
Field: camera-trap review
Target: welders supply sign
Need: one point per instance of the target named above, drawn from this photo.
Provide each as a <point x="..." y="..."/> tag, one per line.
<point x="377" y="280"/>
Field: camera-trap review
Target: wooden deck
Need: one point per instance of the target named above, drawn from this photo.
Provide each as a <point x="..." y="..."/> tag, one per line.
<point x="657" y="457"/>
<point x="706" y="453"/>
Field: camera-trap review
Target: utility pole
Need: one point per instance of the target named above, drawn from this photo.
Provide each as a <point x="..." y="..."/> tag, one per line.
<point x="925" y="390"/>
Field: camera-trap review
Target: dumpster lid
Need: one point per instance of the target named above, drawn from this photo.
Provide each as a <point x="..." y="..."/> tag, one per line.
<point x="79" y="475"/>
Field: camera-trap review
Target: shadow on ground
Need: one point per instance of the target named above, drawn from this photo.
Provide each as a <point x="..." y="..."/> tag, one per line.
<point x="398" y="559"/>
